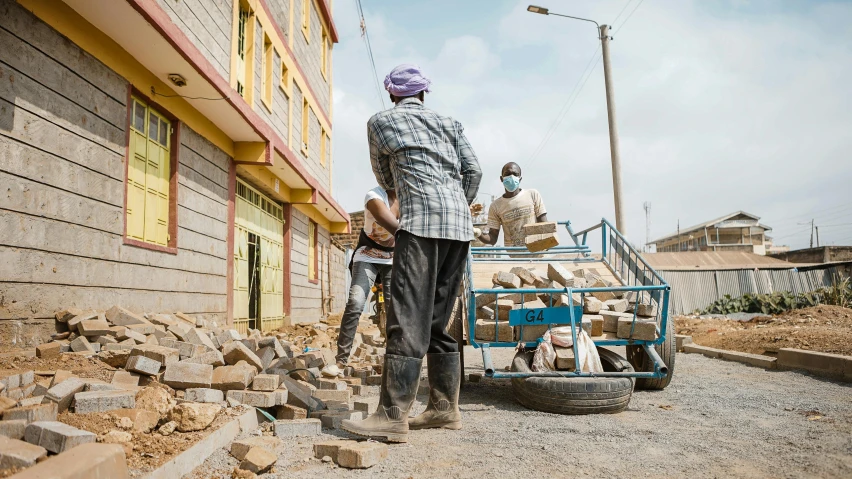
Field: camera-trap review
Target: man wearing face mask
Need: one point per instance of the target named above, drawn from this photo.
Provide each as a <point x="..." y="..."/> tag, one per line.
<point x="512" y="211"/>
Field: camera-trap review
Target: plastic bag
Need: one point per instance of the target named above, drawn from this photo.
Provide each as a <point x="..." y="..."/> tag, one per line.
<point x="545" y="356"/>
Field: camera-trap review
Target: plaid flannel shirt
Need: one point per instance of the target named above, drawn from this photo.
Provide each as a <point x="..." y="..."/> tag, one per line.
<point x="426" y="158"/>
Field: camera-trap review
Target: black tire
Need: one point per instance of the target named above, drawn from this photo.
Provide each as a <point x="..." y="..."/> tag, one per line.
<point x="574" y="395"/>
<point x="641" y="362"/>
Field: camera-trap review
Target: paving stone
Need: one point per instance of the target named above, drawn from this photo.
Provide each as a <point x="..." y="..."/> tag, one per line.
<point x="617" y="305"/>
<point x="143" y="419"/>
<point x="543" y="242"/>
<point x="199" y="337"/>
<point x="258" y="459"/>
<point x="27" y="378"/>
<point x="82" y="345"/>
<point x="56" y="437"/>
<point x="93" y="327"/>
<point x="255" y="398"/>
<point x="163" y="320"/>
<point x="161" y="354"/>
<point x="143" y="365"/>
<point x="484" y="299"/>
<point x="236" y="351"/>
<point x="602" y="295"/>
<point x="205" y="395"/>
<point x="643" y="329"/>
<point x="119" y="316"/>
<point x="73" y="322"/>
<point x="120" y="347"/>
<point x="123" y="333"/>
<point x="757" y="360"/>
<point x="265" y="382"/>
<point x="597" y="322"/>
<point x="648" y="310"/>
<point x="13" y="429"/>
<point x="611" y="318"/>
<point x="484" y="330"/>
<point x="63" y="393"/>
<point x="31" y="401"/>
<point x="297" y="427"/>
<point x="143" y="329"/>
<point x="531" y="333"/>
<point x="180" y="330"/>
<point x="228" y="335"/>
<point x="333" y="420"/>
<point x="41" y="387"/>
<point x="564" y="358"/>
<point x="15" y="453"/>
<point x="275" y="344"/>
<point x="83" y="462"/>
<point x="104" y="340"/>
<point x="213" y="358"/>
<point x="362" y="455"/>
<point x="267" y="355"/>
<point x="125" y="379"/>
<point x="241" y="447"/>
<point x="556" y="272"/>
<point x="11" y="380"/>
<point x="102" y="401"/>
<point x="39" y="412"/>
<point x="66" y="314"/>
<point x="250" y="343"/>
<point x="60" y="375"/>
<point x="506" y="280"/>
<point x="183" y="375"/>
<point x="48" y="350"/>
<point x="332" y="395"/>
<point x="288" y="411"/>
<point x="298" y="394"/>
<point x="592" y="305"/>
<point x="232" y="377"/>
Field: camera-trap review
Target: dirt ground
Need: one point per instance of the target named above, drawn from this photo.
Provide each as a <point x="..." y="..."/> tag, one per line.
<point x="716" y="419"/>
<point x="826" y="329"/>
<point x="81" y="366"/>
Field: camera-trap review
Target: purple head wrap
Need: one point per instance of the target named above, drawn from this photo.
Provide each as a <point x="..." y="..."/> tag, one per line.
<point x="406" y="80"/>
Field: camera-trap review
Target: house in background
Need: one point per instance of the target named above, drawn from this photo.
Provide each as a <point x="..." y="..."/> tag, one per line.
<point x="739" y="231"/>
<point x="167" y="155"/>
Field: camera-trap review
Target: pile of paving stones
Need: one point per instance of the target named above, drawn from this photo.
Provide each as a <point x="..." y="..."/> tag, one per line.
<point x="603" y="311"/>
<point x="175" y="373"/>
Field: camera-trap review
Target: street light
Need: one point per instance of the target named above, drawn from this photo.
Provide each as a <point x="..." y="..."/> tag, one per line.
<point x="610" y="110"/>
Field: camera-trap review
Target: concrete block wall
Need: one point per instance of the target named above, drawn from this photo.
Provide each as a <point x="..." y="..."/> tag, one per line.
<point x="280" y="10"/>
<point x="63" y="116"/>
<point x="350" y="240"/>
<point x="208" y="24"/>
<point x="306" y="296"/>
<point x="309" y="54"/>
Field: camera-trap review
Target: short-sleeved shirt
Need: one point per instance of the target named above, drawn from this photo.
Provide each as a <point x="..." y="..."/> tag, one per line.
<point x="512" y="214"/>
<point x="376" y="232"/>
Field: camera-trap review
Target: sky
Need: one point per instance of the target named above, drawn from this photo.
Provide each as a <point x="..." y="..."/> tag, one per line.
<point x="720" y="105"/>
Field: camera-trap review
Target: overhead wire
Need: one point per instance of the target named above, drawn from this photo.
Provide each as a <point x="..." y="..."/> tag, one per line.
<point x="628" y="17"/>
<point x="626" y="4"/>
<point x="366" y="36"/>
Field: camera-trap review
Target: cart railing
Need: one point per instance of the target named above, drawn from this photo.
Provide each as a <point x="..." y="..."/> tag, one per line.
<point x="625" y="263"/>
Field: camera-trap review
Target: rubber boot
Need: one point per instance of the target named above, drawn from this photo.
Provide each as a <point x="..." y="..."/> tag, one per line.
<point x="400" y="380"/>
<point x="444" y="381"/>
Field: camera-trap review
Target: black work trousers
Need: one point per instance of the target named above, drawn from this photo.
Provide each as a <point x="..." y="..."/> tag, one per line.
<point x="426" y="277"/>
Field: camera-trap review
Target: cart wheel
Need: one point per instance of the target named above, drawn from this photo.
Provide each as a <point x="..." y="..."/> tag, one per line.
<point x="574" y="395"/>
<point x="641" y="362"/>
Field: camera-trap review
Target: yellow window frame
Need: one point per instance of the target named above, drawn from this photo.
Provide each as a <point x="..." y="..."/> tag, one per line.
<point x="306" y="20"/>
<point x="324" y="54"/>
<point x="312" y="251"/>
<point x="306" y="126"/>
<point x="267" y="65"/>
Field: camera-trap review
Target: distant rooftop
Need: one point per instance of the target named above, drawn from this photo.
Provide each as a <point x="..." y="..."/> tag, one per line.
<point x="703" y="260"/>
<point x="714" y="222"/>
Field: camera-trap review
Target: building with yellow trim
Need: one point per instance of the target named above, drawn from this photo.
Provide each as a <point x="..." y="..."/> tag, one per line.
<point x="166" y="156"/>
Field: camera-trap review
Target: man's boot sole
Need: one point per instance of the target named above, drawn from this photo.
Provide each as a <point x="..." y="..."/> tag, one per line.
<point x="455" y="426"/>
<point x="387" y="436"/>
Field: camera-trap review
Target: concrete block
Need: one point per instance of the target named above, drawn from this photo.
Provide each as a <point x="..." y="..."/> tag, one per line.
<point x="48" y="350"/>
<point x="642" y="329"/>
<point x="250" y="343"/>
<point x="362" y="455"/>
<point x="265" y="382"/>
<point x="83" y="462"/>
<point x="11" y="380"/>
<point x="18" y="454"/>
<point x="102" y="401"/>
<point x="125" y="379"/>
<point x="531" y="333"/>
<point x="697" y="349"/>
<point x="681" y="340"/>
<point x="119" y="347"/>
<point x="7" y="403"/>
<point x="597" y="323"/>
<point x="66" y="314"/>
<point x="617" y="305"/>
<point x="232" y="377"/>
<point x="548" y="227"/>
<point x="527" y="276"/>
<point x="228" y="335"/>
<point x="82" y="345"/>
<point x="288" y="411"/>
<point x="564" y="358"/>
<point x="557" y="273"/>
<point x="334" y="384"/>
<point x="241" y="447"/>
<point x="299" y="395"/>
<point x="104" y="340"/>
<point x="163" y="320"/>
<point x="60" y="375"/>
<point x="485" y="299"/>
<point x="610" y="320"/>
<point x="267" y="355"/>
<point x="297" y="427"/>
<point x="536" y="243"/>
<point x="205" y="395"/>
<point x="93" y="327"/>
<point x="73" y="322"/>
<point x="63" y="393"/>
<point x="757" y="360"/>
<point x="163" y="355"/>
<point x="485" y="330"/>
<point x="823" y="364"/>
<point x="13" y="429"/>
<point x="256" y="398"/>
<point x="56" y="437"/>
<point x="648" y="310"/>
<point x="143" y="329"/>
<point x="143" y="365"/>
<point x="258" y="459"/>
<point x="333" y="420"/>
<point x="199" y="337"/>
<point x="39" y="412"/>
<point x="602" y="295"/>
<point x="213" y="358"/>
<point x="506" y="280"/>
<point x="236" y="351"/>
<point x="119" y="316"/>
<point x="330" y="448"/>
<point x="27" y="378"/>
<point x="185" y="350"/>
<point x="332" y="395"/>
<point x="182" y="375"/>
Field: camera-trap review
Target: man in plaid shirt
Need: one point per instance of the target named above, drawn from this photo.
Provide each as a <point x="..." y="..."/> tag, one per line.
<point x="426" y="158"/>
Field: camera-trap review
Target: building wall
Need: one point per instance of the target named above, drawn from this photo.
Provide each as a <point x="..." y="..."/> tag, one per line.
<point x="305" y="296"/>
<point x="822" y="254"/>
<point x="280" y="10"/>
<point x="63" y="120"/>
<point x="208" y="24"/>
<point x="309" y="53"/>
<point x="356" y="220"/>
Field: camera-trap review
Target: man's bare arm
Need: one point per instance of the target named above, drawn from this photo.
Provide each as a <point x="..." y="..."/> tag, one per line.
<point x="542" y="218"/>
<point x="383" y="215"/>
<point x="491" y="237"/>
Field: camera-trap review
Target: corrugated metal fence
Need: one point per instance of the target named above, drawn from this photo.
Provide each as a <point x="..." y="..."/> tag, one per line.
<point x="695" y="290"/>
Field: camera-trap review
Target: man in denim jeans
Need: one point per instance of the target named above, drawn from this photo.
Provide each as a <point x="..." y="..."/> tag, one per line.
<point x="373" y="258"/>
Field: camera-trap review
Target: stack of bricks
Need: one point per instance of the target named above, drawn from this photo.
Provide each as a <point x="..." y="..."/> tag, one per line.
<point x="540" y="236"/>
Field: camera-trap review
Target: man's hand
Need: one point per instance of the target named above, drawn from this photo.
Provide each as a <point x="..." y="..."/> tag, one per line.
<point x="476" y="209"/>
<point x="477" y="233"/>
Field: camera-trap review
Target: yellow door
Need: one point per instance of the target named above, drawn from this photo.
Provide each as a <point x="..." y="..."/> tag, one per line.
<point x="258" y="261"/>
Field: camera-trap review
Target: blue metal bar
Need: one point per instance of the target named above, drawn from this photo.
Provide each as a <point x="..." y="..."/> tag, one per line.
<point x="573" y="329"/>
<point x="535" y="260"/>
<point x="611" y="289"/>
<point x="555" y="249"/>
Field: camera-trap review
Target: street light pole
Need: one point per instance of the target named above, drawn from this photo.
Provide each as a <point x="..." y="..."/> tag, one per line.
<point x="613" y="133"/>
<point x="620" y="224"/>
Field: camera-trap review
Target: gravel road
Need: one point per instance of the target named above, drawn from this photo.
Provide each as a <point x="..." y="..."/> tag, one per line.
<point x="716" y="419"/>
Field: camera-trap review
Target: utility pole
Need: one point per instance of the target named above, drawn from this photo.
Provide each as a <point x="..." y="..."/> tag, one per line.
<point x="613" y="133"/>
<point x="812" y="233"/>
<point x="816" y="228"/>
<point x="647" y="206"/>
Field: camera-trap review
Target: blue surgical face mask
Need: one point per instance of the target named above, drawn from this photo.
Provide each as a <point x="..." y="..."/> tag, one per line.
<point x="511" y="183"/>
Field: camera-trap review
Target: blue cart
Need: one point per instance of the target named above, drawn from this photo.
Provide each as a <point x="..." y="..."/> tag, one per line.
<point x="649" y="363"/>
